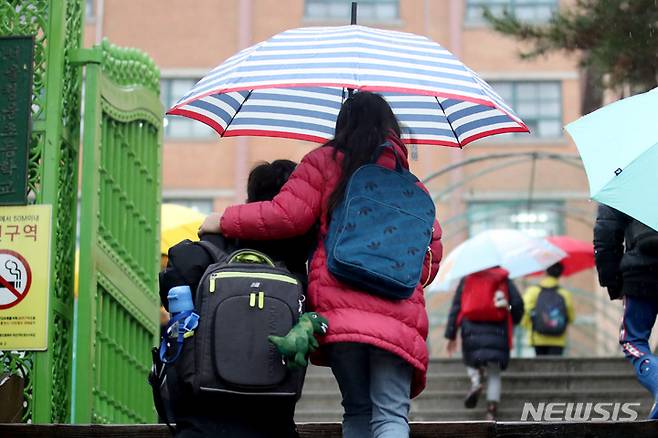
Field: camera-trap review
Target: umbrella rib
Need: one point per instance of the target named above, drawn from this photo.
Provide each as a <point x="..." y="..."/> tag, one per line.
<point x="459" y="143"/>
<point x="237" y="111"/>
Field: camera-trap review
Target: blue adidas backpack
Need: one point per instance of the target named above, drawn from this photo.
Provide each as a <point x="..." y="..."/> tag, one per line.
<point x="380" y="233"/>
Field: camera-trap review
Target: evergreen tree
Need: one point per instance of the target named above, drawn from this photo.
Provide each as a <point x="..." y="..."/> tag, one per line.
<point x="617" y="41"/>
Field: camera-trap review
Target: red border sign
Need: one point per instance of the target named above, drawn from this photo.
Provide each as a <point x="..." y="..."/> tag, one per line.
<point x="6" y="285"/>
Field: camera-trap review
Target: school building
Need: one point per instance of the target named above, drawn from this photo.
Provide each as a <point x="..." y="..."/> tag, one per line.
<point x="527" y="181"/>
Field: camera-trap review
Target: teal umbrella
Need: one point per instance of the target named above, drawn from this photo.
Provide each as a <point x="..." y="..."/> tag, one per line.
<point x="619" y="147"/>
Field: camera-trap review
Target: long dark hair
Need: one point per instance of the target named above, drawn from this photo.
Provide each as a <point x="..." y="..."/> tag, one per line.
<point x="363" y="123"/>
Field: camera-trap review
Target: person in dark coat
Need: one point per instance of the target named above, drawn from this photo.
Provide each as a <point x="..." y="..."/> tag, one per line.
<point x="626" y="254"/>
<point x="204" y="415"/>
<point x="485" y="345"/>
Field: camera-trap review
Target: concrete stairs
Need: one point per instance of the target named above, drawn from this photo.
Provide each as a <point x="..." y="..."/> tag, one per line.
<point x="560" y="380"/>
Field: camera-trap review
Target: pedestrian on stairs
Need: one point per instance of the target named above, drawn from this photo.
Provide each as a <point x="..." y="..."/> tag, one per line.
<point x="222" y="415"/>
<point x="486" y="307"/>
<point x="548" y="312"/>
<point x="377" y="346"/>
<point x="626" y="254"/>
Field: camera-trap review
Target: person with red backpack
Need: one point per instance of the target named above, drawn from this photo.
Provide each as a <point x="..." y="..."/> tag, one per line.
<point x="486" y="307"/>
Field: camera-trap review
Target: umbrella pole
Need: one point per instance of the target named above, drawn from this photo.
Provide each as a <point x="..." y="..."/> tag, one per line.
<point x="350" y="91"/>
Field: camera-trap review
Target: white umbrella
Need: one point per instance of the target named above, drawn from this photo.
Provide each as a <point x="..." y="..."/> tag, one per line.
<point x="512" y="250"/>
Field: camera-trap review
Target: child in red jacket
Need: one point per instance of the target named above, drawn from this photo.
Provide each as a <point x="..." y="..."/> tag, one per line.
<point x="376" y="347"/>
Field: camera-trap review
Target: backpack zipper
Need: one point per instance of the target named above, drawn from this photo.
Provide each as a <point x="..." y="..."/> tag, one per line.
<point x="429" y="271"/>
<point x="277" y="277"/>
<point x="429" y="251"/>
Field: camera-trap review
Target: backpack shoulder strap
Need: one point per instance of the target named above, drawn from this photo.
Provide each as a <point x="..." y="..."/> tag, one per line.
<point x="381" y="148"/>
<point x="215" y="253"/>
<point x="551" y="289"/>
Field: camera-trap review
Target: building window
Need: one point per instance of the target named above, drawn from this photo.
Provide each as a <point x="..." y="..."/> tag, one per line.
<point x="341" y="10"/>
<point x="533" y="11"/>
<point x="541" y="219"/>
<point x="538" y="103"/>
<point x="90" y="10"/>
<point x="178" y="127"/>
<point x="201" y="205"/>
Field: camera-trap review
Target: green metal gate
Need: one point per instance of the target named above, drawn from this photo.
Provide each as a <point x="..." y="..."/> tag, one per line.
<point x="52" y="178"/>
<point x="120" y="186"/>
<point x="119" y="227"/>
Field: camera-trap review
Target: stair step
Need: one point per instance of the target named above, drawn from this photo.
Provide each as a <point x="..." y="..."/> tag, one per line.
<point x="525" y="365"/>
<point x="545" y="380"/>
<point x="511" y="380"/>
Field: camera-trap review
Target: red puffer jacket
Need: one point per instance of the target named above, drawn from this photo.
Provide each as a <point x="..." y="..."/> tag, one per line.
<point x="354" y="316"/>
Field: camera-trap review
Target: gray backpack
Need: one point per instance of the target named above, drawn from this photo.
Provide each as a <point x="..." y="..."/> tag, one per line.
<point x="241" y="300"/>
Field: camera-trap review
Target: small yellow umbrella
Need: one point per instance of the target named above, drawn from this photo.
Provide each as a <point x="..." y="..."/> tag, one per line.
<point x="178" y="223"/>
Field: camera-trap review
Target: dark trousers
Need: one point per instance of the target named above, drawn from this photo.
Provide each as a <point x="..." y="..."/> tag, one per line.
<point x="639" y="318"/>
<point x="236" y="418"/>
<point x="548" y="351"/>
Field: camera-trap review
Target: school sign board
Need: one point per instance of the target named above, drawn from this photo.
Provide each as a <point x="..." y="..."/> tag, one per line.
<point x="24" y="276"/>
<point x="16" y="67"/>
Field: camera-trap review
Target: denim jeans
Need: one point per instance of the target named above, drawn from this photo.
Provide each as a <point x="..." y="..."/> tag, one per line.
<point x="375" y="386"/>
<point x="639" y="318"/>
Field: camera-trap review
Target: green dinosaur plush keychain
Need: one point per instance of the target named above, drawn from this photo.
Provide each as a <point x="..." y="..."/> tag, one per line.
<point x="300" y="340"/>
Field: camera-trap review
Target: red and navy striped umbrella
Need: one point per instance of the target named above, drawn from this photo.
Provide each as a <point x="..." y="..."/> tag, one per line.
<point x="293" y="85"/>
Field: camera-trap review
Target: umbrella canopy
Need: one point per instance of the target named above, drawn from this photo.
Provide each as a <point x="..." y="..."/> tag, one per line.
<point x="512" y="250"/>
<point x="619" y="147"/>
<point x="580" y="254"/>
<point x="293" y="85"/>
<point x="178" y="223"/>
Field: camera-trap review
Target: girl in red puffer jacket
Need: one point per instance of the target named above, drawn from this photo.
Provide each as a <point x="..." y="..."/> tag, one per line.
<point x="376" y="347"/>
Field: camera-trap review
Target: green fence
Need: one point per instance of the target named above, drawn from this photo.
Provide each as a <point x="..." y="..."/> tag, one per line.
<point x="119" y="229"/>
<point x="120" y="187"/>
<point x="52" y="178"/>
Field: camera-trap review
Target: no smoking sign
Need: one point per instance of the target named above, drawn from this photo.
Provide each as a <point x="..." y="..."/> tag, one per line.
<point x="24" y="277"/>
<point x="15" y="278"/>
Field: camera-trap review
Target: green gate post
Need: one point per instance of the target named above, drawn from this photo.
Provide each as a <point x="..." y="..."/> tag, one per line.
<point x="119" y="236"/>
<point x="52" y="179"/>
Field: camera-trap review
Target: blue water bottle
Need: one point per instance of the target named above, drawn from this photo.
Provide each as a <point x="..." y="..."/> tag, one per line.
<point x="180" y="300"/>
<point x="182" y="323"/>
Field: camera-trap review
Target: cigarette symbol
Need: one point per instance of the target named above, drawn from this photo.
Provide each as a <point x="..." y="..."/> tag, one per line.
<point x="12" y="267"/>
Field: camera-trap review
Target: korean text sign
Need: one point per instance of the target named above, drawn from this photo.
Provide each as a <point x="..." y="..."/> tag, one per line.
<point x="24" y="277"/>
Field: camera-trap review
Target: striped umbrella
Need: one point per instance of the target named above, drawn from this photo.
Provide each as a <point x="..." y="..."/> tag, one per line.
<point x="293" y="85"/>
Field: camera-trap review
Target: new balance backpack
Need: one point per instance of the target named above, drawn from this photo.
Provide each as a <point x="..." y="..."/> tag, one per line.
<point x="549" y="316"/>
<point x="381" y="231"/>
<point x="240" y="301"/>
<point x="485" y="296"/>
